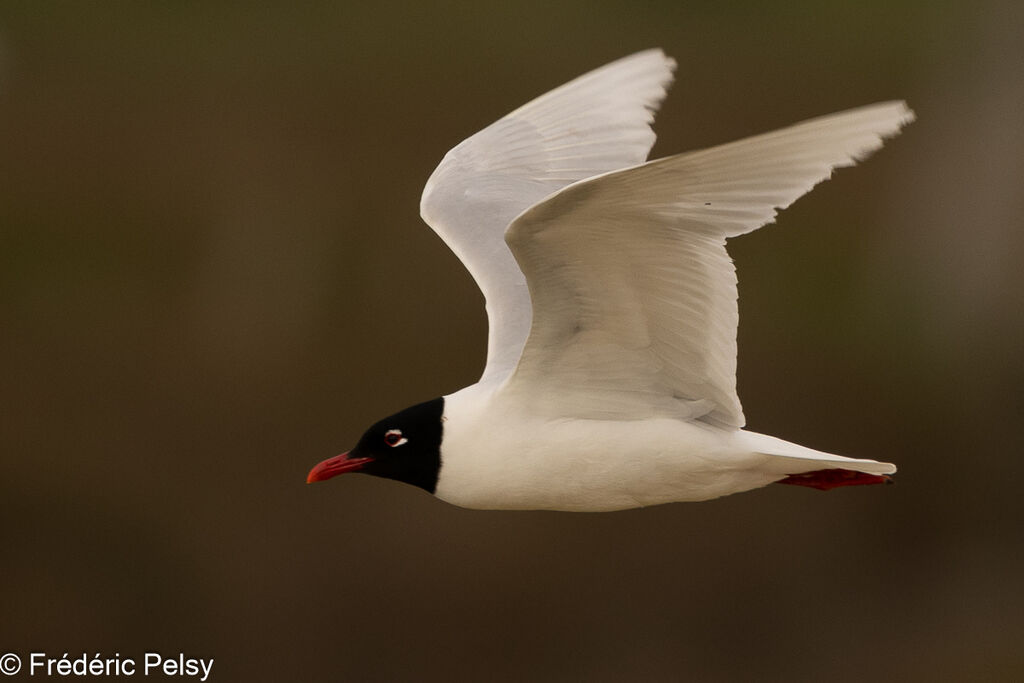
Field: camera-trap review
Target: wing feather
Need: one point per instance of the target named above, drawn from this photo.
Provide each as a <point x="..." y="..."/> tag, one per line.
<point x="594" y="124"/>
<point x="634" y="295"/>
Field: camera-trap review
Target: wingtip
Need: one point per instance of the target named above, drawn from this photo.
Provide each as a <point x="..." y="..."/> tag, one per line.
<point x="657" y="53"/>
<point x="897" y="111"/>
<point x="909" y="116"/>
<point x="901" y="111"/>
<point x="670" y="64"/>
<point x="651" y="60"/>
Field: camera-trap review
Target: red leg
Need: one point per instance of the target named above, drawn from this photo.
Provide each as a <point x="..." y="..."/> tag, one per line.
<point x="823" y="480"/>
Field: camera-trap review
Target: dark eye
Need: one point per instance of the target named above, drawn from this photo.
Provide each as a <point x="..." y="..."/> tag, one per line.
<point x="393" y="437"/>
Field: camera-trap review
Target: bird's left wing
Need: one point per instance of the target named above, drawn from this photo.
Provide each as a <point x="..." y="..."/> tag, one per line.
<point x="596" y="123"/>
<point x="634" y="295"/>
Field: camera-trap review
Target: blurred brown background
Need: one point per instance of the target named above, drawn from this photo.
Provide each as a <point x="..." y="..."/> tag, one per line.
<point x="213" y="275"/>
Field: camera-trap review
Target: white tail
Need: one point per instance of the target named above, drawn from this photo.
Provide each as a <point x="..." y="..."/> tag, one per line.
<point x="795" y="459"/>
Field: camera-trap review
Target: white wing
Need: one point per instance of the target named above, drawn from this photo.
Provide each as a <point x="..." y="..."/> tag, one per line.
<point x="596" y="123"/>
<point x="634" y="295"/>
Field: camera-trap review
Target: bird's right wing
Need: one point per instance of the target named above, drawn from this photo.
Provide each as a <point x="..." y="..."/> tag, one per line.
<point x="634" y="295"/>
<point x="596" y="123"/>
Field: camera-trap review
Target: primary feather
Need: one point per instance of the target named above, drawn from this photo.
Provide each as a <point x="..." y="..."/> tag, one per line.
<point x="634" y="295"/>
<point x="596" y="123"/>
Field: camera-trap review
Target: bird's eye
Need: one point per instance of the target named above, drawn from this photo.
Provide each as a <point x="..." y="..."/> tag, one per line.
<point x="393" y="437"/>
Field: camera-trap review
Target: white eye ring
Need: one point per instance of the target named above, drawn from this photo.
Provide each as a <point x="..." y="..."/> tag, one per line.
<point x="393" y="438"/>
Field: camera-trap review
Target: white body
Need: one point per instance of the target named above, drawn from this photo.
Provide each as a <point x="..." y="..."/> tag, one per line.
<point x="500" y="454"/>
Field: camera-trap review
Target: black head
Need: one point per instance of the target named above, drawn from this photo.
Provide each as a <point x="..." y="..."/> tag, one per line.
<point x="405" y="446"/>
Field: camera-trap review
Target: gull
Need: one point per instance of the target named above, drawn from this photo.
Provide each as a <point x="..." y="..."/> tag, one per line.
<point x="610" y="380"/>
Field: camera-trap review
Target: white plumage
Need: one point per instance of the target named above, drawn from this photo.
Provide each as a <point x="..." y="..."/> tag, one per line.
<point x="611" y="359"/>
<point x="597" y="123"/>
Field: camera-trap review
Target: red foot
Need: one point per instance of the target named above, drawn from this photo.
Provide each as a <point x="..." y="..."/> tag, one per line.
<point x="823" y="480"/>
